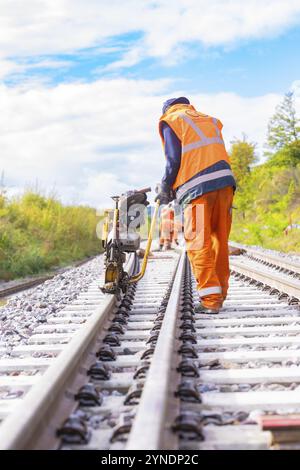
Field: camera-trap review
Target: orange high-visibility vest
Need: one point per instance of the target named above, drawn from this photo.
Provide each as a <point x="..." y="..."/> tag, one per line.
<point x="201" y="140"/>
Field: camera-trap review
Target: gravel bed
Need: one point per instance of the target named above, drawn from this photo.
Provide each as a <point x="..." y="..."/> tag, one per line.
<point x="14" y="373"/>
<point x="246" y="347"/>
<point x="244" y="337"/>
<point x="243" y="387"/>
<point x="220" y="364"/>
<point x="25" y="311"/>
<point x="7" y="394"/>
<point x="219" y="418"/>
<point x="244" y="324"/>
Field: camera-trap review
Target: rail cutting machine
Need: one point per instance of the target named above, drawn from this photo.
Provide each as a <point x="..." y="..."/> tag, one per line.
<point x="120" y="236"/>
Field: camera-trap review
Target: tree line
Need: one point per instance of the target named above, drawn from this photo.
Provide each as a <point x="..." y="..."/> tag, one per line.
<point x="267" y="199"/>
<point x="282" y="146"/>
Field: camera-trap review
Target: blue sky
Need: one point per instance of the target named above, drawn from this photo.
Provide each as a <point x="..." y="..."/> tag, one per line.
<point x="82" y="83"/>
<point x="250" y="68"/>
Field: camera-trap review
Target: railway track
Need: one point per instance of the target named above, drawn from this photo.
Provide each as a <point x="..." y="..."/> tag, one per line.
<point x="146" y="372"/>
<point x="15" y="287"/>
<point x="45" y="376"/>
<point x="235" y="370"/>
<point x="279" y="263"/>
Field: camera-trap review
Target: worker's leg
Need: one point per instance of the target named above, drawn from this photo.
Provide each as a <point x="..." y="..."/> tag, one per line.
<point x="221" y="224"/>
<point x="175" y="235"/>
<point x="172" y="236"/>
<point x="161" y="243"/>
<point x="166" y="234"/>
<point x="197" y="232"/>
<point x="167" y="244"/>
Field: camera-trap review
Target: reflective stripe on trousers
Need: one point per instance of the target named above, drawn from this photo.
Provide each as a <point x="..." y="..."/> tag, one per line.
<point x="210" y="290"/>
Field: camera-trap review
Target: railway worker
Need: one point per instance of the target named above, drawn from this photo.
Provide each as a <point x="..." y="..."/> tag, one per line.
<point x="199" y="176"/>
<point x="166" y="227"/>
<point x="178" y="229"/>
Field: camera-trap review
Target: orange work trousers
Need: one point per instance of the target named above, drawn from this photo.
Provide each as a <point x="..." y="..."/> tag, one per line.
<point x="207" y="223"/>
<point x="166" y="241"/>
<point x="166" y="228"/>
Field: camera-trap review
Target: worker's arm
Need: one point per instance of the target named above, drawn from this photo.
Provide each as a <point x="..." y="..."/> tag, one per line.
<point x="172" y="148"/>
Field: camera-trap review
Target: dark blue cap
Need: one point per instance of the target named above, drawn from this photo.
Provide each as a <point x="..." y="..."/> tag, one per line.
<point x="171" y="101"/>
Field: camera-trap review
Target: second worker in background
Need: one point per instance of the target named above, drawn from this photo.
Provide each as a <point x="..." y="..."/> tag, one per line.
<point x="199" y="175"/>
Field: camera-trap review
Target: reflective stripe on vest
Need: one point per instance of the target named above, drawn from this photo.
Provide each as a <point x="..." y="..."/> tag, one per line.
<point x="201" y="179"/>
<point x="210" y="290"/>
<point x="204" y="139"/>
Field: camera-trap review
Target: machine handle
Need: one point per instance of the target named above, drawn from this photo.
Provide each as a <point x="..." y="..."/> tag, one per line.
<point x="139" y="276"/>
<point x="146" y="190"/>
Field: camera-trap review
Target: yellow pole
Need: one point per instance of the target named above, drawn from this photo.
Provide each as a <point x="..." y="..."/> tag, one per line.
<point x="139" y="276"/>
<point x="115" y="223"/>
<point x="105" y="228"/>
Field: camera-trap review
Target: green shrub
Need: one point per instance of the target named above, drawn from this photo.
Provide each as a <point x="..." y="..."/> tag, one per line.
<point x="267" y="202"/>
<point x="38" y="233"/>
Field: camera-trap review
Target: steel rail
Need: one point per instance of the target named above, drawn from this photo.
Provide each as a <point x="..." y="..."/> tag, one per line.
<point x="24" y="285"/>
<point x="152" y="425"/>
<point x="32" y="419"/>
<point x="279" y="261"/>
<point x="290" y="287"/>
<point x="244" y="367"/>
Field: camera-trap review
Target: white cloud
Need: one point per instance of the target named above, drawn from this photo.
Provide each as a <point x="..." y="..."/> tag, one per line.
<point x="89" y="140"/>
<point x="109" y="184"/>
<point x="130" y="58"/>
<point x="8" y="67"/>
<point x="295" y="88"/>
<point x="240" y="114"/>
<point x="48" y="64"/>
<point x="39" y="27"/>
<point x="67" y="134"/>
<point x="92" y="140"/>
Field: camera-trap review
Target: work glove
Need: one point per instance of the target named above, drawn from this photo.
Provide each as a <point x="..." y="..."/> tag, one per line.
<point x="163" y="198"/>
<point x="165" y="194"/>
